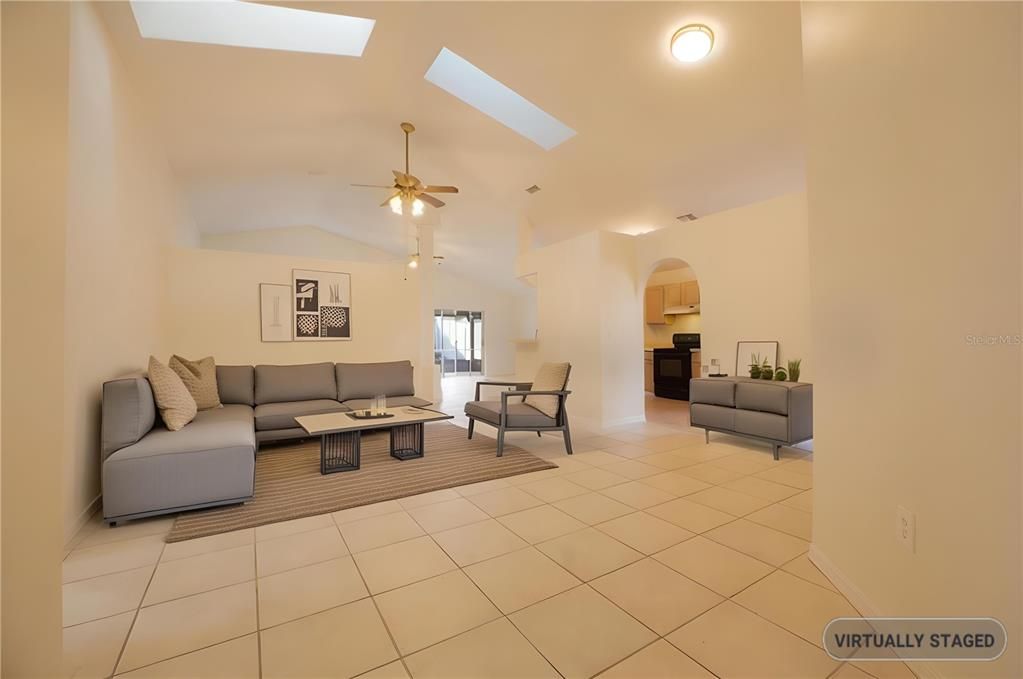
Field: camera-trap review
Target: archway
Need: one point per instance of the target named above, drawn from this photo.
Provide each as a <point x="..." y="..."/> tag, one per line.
<point x="671" y="339"/>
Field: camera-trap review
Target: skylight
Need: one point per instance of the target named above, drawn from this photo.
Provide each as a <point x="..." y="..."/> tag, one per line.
<point x="457" y="76"/>
<point x="246" y="24"/>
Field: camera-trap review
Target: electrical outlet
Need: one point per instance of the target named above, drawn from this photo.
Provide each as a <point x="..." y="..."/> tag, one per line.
<point x="905" y="528"/>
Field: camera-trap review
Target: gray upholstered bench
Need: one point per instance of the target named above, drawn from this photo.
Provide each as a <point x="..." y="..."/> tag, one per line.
<point x="779" y="413"/>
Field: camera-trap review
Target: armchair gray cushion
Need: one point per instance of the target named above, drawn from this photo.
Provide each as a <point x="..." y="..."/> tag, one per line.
<point x="519" y="414"/>
<point x="307" y="382"/>
<point x="282" y="415"/>
<point x="366" y="380"/>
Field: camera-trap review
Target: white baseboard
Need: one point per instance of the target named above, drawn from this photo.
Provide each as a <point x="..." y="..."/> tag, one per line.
<point x="72" y="531"/>
<point x="866" y="607"/>
<point x="621" y="422"/>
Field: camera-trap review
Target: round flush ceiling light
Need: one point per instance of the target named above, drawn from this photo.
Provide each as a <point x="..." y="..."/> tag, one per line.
<point x="692" y="43"/>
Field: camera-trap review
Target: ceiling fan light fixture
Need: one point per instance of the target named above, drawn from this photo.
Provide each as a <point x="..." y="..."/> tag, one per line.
<point x="417" y="208"/>
<point x="692" y="43"/>
<point x="395" y="204"/>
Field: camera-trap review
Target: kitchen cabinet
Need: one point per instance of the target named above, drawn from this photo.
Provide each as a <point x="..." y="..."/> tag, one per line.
<point x="697" y="370"/>
<point x="653" y="306"/>
<point x="690" y="293"/>
<point x="648" y="371"/>
<point x="672" y="295"/>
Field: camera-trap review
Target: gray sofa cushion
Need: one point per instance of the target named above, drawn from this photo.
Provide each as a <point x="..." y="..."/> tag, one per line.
<point x="212" y="459"/>
<point x="765" y="425"/>
<point x="366" y="380"/>
<point x="708" y="415"/>
<point x="519" y="414"/>
<point x="236" y="384"/>
<point x="714" y="390"/>
<point x="307" y="382"/>
<point x="392" y="402"/>
<point x="765" y="396"/>
<point x="282" y="415"/>
<point x="129" y="412"/>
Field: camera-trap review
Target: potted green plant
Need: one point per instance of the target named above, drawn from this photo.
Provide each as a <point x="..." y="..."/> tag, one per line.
<point x="780" y="375"/>
<point x="766" y="371"/>
<point x="754" y="367"/>
<point x="794" y="369"/>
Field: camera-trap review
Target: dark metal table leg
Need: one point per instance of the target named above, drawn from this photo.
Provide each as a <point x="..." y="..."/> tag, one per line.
<point x="407" y="441"/>
<point x="340" y="452"/>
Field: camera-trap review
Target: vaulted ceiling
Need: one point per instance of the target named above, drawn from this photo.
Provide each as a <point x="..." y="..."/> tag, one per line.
<point x="262" y="138"/>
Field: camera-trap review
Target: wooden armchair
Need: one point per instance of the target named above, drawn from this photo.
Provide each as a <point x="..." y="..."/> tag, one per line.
<point x="512" y="413"/>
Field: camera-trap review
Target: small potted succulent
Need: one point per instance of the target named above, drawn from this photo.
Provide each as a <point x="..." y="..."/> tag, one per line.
<point x="780" y="375"/>
<point x="794" y="369"/>
<point x="754" y="367"/>
<point x="766" y="371"/>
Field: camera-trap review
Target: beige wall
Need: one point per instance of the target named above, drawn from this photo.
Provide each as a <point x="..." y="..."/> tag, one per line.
<point x="587" y="290"/>
<point x="660" y="335"/>
<point x="123" y="208"/>
<point x="213" y="309"/>
<point x="34" y="168"/>
<point x="569" y="317"/>
<point x="503" y="309"/>
<point x="501" y="313"/>
<point x="753" y="268"/>
<point x="915" y="244"/>
<point x="621" y="333"/>
<point x="299" y="241"/>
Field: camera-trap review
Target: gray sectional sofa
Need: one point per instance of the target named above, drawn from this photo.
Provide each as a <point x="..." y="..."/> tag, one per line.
<point x="778" y="413"/>
<point x="149" y="470"/>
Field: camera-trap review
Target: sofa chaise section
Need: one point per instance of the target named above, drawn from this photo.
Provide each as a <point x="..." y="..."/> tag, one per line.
<point x="150" y="470"/>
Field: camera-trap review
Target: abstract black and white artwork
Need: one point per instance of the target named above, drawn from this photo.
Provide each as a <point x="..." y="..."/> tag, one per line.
<point x="307" y="295"/>
<point x="307" y="326"/>
<point x="334" y="322"/>
<point x="323" y="305"/>
<point x="274" y="312"/>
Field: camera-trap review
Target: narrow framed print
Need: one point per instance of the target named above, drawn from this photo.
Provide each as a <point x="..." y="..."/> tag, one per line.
<point x="274" y="312"/>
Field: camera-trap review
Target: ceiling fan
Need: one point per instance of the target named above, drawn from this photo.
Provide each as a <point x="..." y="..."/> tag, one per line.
<point x="408" y="190"/>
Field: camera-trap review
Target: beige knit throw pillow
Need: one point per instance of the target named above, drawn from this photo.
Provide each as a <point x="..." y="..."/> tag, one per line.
<point x="177" y="407"/>
<point x="200" y="378"/>
<point x="550" y="377"/>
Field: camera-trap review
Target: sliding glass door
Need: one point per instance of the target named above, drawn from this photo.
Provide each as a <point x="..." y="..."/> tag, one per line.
<point x="458" y="341"/>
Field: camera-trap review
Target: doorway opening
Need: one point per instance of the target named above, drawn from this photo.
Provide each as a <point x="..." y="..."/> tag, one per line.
<point x="458" y="341"/>
<point x="671" y="339"/>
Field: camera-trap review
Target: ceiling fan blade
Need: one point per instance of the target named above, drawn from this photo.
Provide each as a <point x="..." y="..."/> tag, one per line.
<point x="390" y="198"/>
<point x="402" y="179"/>
<point x="427" y="198"/>
<point x="441" y="189"/>
<point x="373" y="186"/>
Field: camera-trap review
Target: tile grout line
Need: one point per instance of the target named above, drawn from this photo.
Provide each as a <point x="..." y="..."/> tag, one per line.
<point x="529" y="545"/>
<point x="376" y="606"/>
<point x="134" y="619"/>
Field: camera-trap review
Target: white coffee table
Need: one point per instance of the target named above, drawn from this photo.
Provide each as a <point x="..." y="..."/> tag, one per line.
<point x="341" y="435"/>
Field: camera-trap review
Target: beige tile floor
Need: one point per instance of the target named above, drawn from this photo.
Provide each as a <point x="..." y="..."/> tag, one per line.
<point x="646" y="554"/>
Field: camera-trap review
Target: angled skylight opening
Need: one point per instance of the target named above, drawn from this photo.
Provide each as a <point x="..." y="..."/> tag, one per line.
<point x="457" y="76"/>
<point x="247" y="24"/>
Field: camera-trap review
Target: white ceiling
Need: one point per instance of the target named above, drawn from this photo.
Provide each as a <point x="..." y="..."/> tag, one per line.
<point x="262" y="138"/>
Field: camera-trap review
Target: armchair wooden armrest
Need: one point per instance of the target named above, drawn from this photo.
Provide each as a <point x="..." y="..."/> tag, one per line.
<point x="517" y="385"/>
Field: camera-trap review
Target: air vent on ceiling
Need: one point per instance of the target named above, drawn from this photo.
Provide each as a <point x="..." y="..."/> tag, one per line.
<point x="688" y="217"/>
<point x="533" y="189"/>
